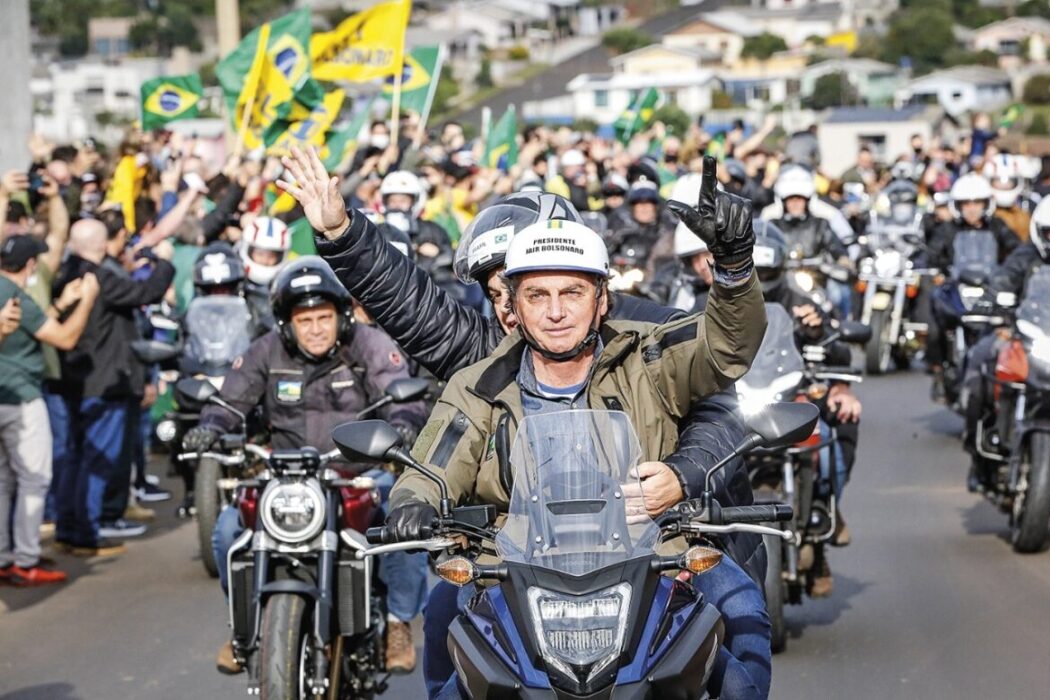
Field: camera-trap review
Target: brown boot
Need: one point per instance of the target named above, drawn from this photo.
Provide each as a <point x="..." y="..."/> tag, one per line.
<point x="400" y="651"/>
<point x="842" y="534"/>
<point x="226" y="662"/>
<point x="820" y="582"/>
<point x="139" y="514"/>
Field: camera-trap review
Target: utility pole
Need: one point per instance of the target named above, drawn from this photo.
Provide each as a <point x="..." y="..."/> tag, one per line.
<point x="16" y="108"/>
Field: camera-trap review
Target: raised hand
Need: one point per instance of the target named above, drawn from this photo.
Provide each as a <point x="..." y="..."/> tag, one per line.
<point x="10" y="317"/>
<point x="720" y="219"/>
<point x="316" y="192"/>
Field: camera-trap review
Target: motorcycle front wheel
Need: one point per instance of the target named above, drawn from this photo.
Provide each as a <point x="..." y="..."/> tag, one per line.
<point x="774" y="585"/>
<point x="284" y="655"/>
<point x="206" y="501"/>
<point x="878" y="353"/>
<point x="1031" y="521"/>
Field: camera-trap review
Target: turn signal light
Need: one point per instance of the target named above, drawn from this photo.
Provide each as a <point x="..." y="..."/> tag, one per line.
<point x="1012" y="363"/>
<point x="458" y="571"/>
<point x="912" y="290"/>
<point x="861" y="286"/>
<point x="700" y="559"/>
<point x="816" y="391"/>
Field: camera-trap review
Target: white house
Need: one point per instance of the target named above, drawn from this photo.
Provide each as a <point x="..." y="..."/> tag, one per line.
<point x="887" y="132"/>
<point x="717" y="34"/>
<point x="1009" y="37"/>
<point x="603" y="97"/>
<point x="874" y="81"/>
<point x="960" y="89"/>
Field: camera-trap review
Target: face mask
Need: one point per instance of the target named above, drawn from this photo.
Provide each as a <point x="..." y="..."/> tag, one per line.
<point x="380" y="141"/>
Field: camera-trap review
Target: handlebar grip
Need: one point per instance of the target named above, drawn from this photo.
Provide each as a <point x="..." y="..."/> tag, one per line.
<point x="376" y="535"/>
<point x="775" y="512"/>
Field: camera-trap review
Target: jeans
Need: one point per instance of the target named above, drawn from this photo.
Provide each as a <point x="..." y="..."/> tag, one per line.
<point x="87" y="462"/>
<point x="61" y="437"/>
<point x="25" y="474"/>
<point x="118" y="489"/>
<point x="742" y="670"/>
<point x="405" y="574"/>
<point x="840" y="296"/>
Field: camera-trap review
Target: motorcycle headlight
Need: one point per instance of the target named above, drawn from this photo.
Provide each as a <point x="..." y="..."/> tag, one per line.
<point x="166" y="430"/>
<point x="292" y="511"/>
<point x="805" y="280"/>
<point x="580" y="635"/>
<point x="753" y="399"/>
<point x="888" y="263"/>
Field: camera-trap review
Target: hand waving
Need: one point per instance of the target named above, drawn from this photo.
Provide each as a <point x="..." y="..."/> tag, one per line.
<point x="316" y="192"/>
<point x="721" y="219"/>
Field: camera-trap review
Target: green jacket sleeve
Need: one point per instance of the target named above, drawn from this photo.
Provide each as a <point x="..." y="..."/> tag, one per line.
<point x="453" y="445"/>
<point x="701" y="355"/>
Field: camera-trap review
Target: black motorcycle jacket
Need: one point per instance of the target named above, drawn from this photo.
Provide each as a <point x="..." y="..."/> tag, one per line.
<point x="678" y="286"/>
<point x="942" y="239"/>
<point x="1013" y="274"/>
<point x="812" y="236"/>
<point x="258" y="298"/>
<point x="445" y="336"/>
<point x="304" y="400"/>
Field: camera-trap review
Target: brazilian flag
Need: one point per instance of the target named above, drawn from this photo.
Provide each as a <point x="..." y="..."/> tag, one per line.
<point x="169" y="98"/>
<point x="637" y="116"/>
<point x="419" y="79"/>
<point x="501" y="146"/>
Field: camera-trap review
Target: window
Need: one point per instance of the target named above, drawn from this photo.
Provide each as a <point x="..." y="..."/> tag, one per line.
<point x="876" y="143"/>
<point x="670" y="97"/>
<point x="1009" y="47"/>
<point x="102" y="47"/>
<point x="601" y="98"/>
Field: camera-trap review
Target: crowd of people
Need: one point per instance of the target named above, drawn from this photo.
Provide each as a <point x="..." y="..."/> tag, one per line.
<point x="412" y="280"/>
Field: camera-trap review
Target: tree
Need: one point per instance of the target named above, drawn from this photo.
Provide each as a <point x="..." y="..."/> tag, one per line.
<point x="1034" y="8"/>
<point x="674" y="118"/>
<point x="832" y="90"/>
<point x="923" y="33"/>
<point x="484" y="77"/>
<point x="584" y="125"/>
<point x="1037" y="90"/>
<point x="1038" y="126"/>
<point x="763" y="45"/>
<point x="720" y="99"/>
<point x="625" y="39"/>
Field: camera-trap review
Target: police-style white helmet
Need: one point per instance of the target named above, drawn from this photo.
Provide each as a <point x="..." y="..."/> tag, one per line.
<point x="971" y="188"/>
<point x="687" y="189"/>
<point x="557" y="246"/>
<point x="1039" y="229"/>
<point x="794" y="182"/>
<point x="404" y="182"/>
<point x="264" y="233"/>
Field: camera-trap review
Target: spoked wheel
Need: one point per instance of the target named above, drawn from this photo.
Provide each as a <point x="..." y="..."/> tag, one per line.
<point x="1031" y="513"/>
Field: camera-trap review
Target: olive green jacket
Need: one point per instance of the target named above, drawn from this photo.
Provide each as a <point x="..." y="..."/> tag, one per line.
<point x="651" y="372"/>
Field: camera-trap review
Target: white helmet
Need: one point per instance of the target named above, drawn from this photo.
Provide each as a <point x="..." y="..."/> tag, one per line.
<point x="264" y="233"/>
<point x="1039" y="229"/>
<point x="557" y="245"/>
<point x="404" y="182"/>
<point x="794" y="182"/>
<point x="687" y="189"/>
<point x="571" y="158"/>
<point x="971" y="188"/>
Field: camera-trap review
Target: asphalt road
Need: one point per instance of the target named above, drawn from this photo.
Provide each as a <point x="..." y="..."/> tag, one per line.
<point x="930" y="602"/>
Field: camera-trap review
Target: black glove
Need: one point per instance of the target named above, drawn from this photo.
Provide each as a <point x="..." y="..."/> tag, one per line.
<point x="720" y="219"/>
<point x="199" y="439"/>
<point x="412" y="521"/>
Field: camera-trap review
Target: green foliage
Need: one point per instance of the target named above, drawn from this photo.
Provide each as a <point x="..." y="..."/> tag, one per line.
<point x="832" y="90"/>
<point x="518" y="53"/>
<point x="1038" y="126"/>
<point x="815" y="40"/>
<point x="1033" y="8"/>
<point x="625" y="39"/>
<point x="159" y="34"/>
<point x="585" y="125"/>
<point x="721" y="100"/>
<point x="763" y="46"/>
<point x="446" y="89"/>
<point x="207" y="73"/>
<point x="961" y="57"/>
<point x="674" y="118"/>
<point x="484" y="76"/>
<point x="923" y="33"/>
<point x="1037" y="90"/>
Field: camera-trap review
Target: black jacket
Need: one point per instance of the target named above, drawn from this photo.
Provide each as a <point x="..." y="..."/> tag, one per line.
<point x="303" y="400"/>
<point x="102" y="365"/>
<point x="1013" y="274"/>
<point x="943" y="237"/>
<point x="813" y="236"/>
<point x="445" y="336"/>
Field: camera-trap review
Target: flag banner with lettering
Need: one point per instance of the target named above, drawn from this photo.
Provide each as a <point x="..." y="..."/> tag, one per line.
<point x="169" y="98"/>
<point x="365" y="46"/>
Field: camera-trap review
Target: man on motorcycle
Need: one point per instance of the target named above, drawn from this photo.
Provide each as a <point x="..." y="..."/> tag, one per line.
<point x="264" y="247"/>
<point x="972" y="205"/>
<point x="1007" y="187"/>
<point x="403" y="199"/>
<point x="555" y="278"/>
<point x="644" y="237"/>
<point x="1012" y="276"/>
<point x="686" y="282"/>
<point x="316" y="370"/>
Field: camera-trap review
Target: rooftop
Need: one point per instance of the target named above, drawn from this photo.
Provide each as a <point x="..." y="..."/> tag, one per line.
<point x="977" y="75"/>
<point x="866" y="115"/>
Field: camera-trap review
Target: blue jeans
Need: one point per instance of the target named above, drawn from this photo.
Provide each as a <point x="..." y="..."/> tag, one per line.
<point x="405" y="574"/>
<point x="86" y="463"/>
<point x="742" y="670"/>
<point x="61" y="440"/>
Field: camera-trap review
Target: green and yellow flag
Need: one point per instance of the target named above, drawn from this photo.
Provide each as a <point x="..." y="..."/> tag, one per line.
<point x="501" y="146"/>
<point x="419" y="79"/>
<point x="364" y="46"/>
<point x="343" y="142"/>
<point x="637" y="116"/>
<point x="169" y="98"/>
<point x="308" y="129"/>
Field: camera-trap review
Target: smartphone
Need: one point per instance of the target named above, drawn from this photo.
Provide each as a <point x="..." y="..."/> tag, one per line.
<point x="36" y="180"/>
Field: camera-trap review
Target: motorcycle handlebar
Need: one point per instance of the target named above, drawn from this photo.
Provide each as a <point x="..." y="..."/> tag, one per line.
<point x="376" y="535"/>
<point x="776" y="512"/>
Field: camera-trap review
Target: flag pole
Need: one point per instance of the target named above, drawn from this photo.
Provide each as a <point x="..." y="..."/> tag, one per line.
<point x="434" y="80"/>
<point x="395" y="108"/>
<point x="263" y="45"/>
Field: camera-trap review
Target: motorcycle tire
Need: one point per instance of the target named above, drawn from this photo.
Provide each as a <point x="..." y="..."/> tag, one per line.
<point x="206" y="501"/>
<point x="878" y="353"/>
<point x="283" y="632"/>
<point x="774" y="590"/>
<point x="1031" y="522"/>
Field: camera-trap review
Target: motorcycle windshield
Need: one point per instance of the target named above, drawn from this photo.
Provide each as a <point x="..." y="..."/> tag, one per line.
<point x="974" y="251"/>
<point x="1033" y="314"/>
<point x="218" y="329"/>
<point x="569" y="510"/>
<point x="778" y="366"/>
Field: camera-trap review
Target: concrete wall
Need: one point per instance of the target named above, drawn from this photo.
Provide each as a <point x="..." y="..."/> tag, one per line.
<point x="839" y="142"/>
<point x="16" y="107"/>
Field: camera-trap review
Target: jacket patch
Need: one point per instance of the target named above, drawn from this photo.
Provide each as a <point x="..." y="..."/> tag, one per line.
<point x="675" y="337"/>
<point x="289" y="391"/>
<point x="447" y="445"/>
<point x="612" y="403"/>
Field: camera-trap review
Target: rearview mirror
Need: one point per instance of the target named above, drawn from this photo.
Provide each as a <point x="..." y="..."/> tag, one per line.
<point x="196" y="390"/>
<point x="854" y="332"/>
<point x="366" y="440"/>
<point x="150" y="352"/>
<point x="783" y="424"/>
<point x="407" y="389"/>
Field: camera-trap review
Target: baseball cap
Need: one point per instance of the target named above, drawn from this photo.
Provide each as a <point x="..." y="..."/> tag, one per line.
<point x="18" y="250"/>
